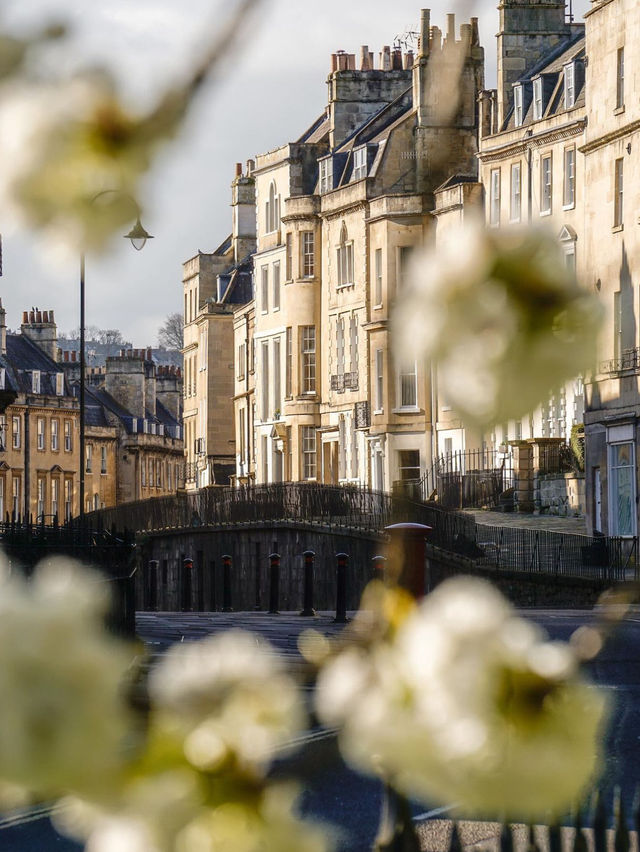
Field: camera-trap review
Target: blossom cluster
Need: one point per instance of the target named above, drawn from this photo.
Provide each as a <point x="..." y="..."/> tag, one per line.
<point x="467" y="703"/>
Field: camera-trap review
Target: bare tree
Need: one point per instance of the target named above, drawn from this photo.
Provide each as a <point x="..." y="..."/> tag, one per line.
<point x="170" y="333"/>
<point x="110" y="336"/>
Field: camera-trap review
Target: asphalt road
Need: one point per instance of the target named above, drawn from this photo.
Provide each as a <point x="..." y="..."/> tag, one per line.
<point x="334" y="794"/>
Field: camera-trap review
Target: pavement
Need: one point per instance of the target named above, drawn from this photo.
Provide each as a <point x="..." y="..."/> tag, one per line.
<point x="556" y="523"/>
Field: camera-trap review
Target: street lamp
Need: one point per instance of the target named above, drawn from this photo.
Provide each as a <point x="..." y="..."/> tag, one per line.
<point x="138" y="237"/>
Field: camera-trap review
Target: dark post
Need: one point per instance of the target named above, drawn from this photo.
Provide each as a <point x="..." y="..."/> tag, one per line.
<point x="187" y="571"/>
<point x="151" y="586"/>
<point x="378" y="568"/>
<point x="212" y="586"/>
<point x="407" y="557"/>
<point x="226" y="584"/>
<point x="342" y="560"/>
<point x="307" y="603"/>
<point x="258" y="604"/>
<point x="274" y="582"/>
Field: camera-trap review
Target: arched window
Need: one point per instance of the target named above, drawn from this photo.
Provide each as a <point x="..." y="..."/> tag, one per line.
<point x="345" y="258"/>
<point x="272" y="209"/>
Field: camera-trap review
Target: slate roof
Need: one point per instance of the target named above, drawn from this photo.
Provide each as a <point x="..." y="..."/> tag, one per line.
<point x="22" y="358"/>
<point x="550" y="68"/>
<point x="96" y="354"/>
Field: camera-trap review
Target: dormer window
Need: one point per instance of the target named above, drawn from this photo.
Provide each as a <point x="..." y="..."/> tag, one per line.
<point x="569" y="85"/>
<point x="35" y="381"/>
<point x="326" y="175"/>
<point x="360" y="163"/>
<point x="518" y="115"/>
<point x="272" y="210"/>
<point x="59" y="384"/>
<point x="538" y="105"/>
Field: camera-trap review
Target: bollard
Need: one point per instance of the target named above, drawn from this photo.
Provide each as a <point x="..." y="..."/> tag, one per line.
<point x="342" y="560"/>
<point x="274" y="583"/>
<point x="307" y="600"/>
<point x="226" y="584"/>
<point x="151" y="586"/>
<point x="407" y="557"/>
<point x="378" y="568"/>
<point x="185" y="590"/>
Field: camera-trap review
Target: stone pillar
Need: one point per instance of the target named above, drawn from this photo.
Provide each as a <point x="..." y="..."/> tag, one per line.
<point x="523" y="475"/>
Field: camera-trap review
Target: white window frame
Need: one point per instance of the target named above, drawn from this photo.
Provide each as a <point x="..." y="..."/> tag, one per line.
<point x="494" y="198"/>
<point x="308" y="248"/>
<point x="277" y="377"/>
<point x="618" y="193"/>
<point x="16" y="432"/>
<point x="326" y="175"/>
<point x="308" y="452"/>
<point x="546" y="184"/>
<point x="272" y="210"/>
<point x="264" y="289"/>
<point x="276" y="285"/>
<point x="569" y="183"/>
<point x="569" y="79"/>
<point x="340" y="346"/>
<point x="265" y="380"/>
<point x="288" y="256"/>
<point x="518" y="101"/>
<point x="68" y="436"/>
<point x="515" y="208"/>
<point x="35" y="381"/>
<point x="40" y="429"/>
<point x="408" y="387"/>
<point x="59" y="384"/>
<point x="379" y="379"/>
<point x="353" y="343"/>
<point x="308" y="359"/>
<point x="103" y="460"/>
<point x="377" y="286"/>
<point x="620" y="78"/>
<point x="360" y="163"/>
<point x="614" y="496"/>
<point x="344" y="257"/>
<point x="538" y="103"/>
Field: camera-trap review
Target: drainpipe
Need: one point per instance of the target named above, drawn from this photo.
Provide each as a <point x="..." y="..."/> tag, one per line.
<point x="27" y="466"/>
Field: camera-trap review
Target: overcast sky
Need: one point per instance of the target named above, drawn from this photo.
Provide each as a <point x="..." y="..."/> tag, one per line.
<point x="266" y="94"/>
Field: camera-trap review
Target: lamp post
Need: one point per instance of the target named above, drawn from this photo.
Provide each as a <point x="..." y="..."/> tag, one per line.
<point x="138" y="237"/>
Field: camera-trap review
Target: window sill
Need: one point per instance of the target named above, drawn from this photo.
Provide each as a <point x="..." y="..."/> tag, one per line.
<point x="569" y="206"/>
<point x="617" y="228"/>
<point x="345" y="286"/>
<point x="378" y="411"/>
<point x="515" y="221"/>
<point x="378" y="307"/>
<point x="545" y="212"/>
<point x="619" y="110"/>
<point x="407" y="409"/>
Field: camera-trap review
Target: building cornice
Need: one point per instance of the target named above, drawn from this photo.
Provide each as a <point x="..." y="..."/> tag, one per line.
<point x="354" y="207"/>
<point x="597" y="8"/>
<point x="608" y="138"/>
<point x="544" y="137"/>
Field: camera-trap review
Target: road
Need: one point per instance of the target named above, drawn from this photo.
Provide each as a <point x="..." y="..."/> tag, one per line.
<point x="336" y="795"/>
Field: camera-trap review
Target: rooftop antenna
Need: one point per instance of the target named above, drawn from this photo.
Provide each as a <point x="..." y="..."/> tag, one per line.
<point x="570" y="11"/>
<point x="407" y="39"/>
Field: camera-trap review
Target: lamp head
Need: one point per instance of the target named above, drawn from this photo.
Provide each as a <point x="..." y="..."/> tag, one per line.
<point x="138" y="236"/>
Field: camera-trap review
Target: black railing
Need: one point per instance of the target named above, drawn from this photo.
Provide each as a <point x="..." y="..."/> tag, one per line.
<point x="469" y="478"/>
<point x="113" y="555"/>
<point x="629" y="360"/>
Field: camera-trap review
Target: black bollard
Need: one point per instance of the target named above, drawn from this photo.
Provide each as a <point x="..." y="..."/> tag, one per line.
<point x="342" y="560"/>
<point x="274" y="583"/>
<point x="407" y="557"/>
<point x="185" y="589"/>
<point x="151" y="586"/>
<point x="226" y="584"/>
<point x="378" y="568"/>
<point x="307" y="599"/>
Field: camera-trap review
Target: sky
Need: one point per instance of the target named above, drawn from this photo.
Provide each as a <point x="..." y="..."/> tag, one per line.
<point x="268" y="91"/>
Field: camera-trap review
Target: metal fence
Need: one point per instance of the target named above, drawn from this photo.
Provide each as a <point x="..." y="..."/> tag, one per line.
<point x="497" y="548"/>
<point x="560" y="554"/>
<point x="469" y="478"/>
<point x="26" y="544"/>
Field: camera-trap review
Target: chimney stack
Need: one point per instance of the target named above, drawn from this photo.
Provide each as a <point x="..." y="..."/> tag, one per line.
<point x="39" y="326"/>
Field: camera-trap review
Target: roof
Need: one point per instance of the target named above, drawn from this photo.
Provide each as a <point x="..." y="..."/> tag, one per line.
<point x="550" y="68"/>
<point x="22" y="359"/>
<point x="96" y="354"/>
<point x="319" y="130"/>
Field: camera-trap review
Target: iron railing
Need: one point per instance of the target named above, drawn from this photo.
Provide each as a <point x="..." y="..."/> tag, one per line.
<point x="629" y="360"/>
<point x="468" y="478"/>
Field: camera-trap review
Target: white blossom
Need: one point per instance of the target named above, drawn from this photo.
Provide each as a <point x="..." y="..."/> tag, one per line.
<point x="63" y="721"/>
<point x="468" y="704"/>
<point x="228" y="696"/>
<point x="502" y="317"/>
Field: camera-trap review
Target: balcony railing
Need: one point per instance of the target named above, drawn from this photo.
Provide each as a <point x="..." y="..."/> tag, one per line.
<point x="629" y="360"/>
<point x="344" y="381"/>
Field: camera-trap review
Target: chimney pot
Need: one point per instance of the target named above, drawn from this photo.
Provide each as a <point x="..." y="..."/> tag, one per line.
<point x="238" y="169"/>
<point x="25" y="317"/>
<point x="396" y="60"/>
<point x="250" y="167"/>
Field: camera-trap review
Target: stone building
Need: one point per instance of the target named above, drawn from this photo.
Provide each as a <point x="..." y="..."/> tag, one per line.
<point x="612" y="249"/>
<point x="133" y="431"/>
<point x="338" y="212"/>
<point x="531" y="171"/>
<point x="214" y="283"/>
<point x="39" y="429"/>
